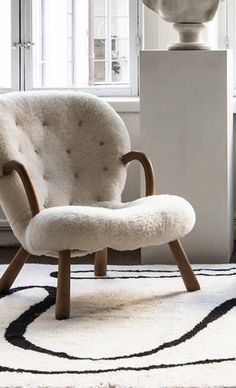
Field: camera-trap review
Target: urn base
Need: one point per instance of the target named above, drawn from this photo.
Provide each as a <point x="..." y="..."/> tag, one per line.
<point x="189" y="37"/>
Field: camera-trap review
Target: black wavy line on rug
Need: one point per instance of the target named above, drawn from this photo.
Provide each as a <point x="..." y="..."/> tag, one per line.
<point x="54" y="275"/>
<point x="158" y="270"/>
<point x="15" y="332"/>
<point x="120" y="369"/>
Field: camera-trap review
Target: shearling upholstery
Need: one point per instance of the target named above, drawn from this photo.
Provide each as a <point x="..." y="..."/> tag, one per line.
<point x="147" y="221"/>
<point x="71" y="145"/>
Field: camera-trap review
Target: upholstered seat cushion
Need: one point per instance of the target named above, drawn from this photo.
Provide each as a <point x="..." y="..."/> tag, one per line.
<point x="147" y="221"/>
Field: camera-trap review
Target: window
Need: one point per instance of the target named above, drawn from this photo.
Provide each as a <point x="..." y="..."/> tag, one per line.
<point x="82" y="44"/>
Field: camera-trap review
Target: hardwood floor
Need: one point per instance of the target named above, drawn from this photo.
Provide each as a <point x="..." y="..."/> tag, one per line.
<point x="114" y="257"/>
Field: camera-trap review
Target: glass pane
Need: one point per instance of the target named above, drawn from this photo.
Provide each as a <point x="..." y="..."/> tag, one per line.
<point x="99" y="48"/>
<point x="120" y="27"/>
<point x="119" y="71"/>
<point x="99" y="7"/>
<point x="100" y="71"/>
<point x="120" y="49"/>
<point x="5" y="44"/>
<point x="99" y="27"/>
<point x="52" y="35"/>
<point x="119" y="7"/>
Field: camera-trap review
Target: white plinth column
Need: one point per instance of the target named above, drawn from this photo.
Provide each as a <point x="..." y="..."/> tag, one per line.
<point x="187" y="131"/>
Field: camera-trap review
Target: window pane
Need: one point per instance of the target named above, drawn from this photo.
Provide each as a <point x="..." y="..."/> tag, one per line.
<point x="53" y="38"/>
<point x="115" y="48"/>
<point x="99" y="71"/>
<point x="99" y="7"/>
<point x="119" y="71"/>
<point x="99" y="48"/>
<point x="99" y="27"/>
<point x="5" y="44"/>
<point x="119" y="7"/>
<point x="120" y="26"/>
<point x="120" y="49"/>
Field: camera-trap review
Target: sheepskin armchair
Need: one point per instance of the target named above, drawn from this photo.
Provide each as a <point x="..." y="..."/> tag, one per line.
<point x="63" y="164"/>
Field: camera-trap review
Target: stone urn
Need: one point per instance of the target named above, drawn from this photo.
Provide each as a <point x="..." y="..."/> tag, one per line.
<point x="188" y="17"/>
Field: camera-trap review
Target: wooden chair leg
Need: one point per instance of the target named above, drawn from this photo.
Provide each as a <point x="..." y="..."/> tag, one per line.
<point x="63" y="286"/>
<point x="185" y="268"/>
<point x="100" y="265"/>
<point x="13" y="270"/>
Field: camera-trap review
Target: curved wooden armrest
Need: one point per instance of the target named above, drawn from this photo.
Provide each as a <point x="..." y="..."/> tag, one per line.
<point x="13" y="165"/>
<point x="148" y="168"/>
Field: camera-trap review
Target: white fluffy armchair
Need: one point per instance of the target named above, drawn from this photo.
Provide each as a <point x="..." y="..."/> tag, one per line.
<point x="70" y="152"/>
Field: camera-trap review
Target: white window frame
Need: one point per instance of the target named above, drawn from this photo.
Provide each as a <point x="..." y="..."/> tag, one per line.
<point x="100" y="90"/>
<point x="15" y="51"/>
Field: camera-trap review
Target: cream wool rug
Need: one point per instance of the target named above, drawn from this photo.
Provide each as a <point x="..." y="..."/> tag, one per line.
<point x="137" y="327"/>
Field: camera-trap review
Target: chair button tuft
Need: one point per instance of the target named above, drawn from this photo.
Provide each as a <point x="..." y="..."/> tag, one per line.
<point x="105" y="169"/>
<point x="102" y="143"/>
<point x="76" y="175"/>
<point x="68" y="151"/>
<point x="80" y="123"/>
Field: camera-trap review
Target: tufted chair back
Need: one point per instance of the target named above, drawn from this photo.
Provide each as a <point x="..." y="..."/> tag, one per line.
<point x="71" y="145"/>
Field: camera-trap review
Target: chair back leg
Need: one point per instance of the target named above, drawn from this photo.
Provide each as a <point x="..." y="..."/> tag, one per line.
<point x="13" y="270"/>
<point x="63" y="286"/>
<point x="184" y="266"/>
<point x="100" y="265"/>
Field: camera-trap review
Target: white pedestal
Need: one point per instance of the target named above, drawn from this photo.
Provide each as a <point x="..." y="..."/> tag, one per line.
<point x="187" y="131"/>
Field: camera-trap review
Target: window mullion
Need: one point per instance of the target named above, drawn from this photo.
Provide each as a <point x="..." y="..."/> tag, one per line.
<point x="42" y="43"/>
<point x="134" y="44"/>
<point x="108" y="41"/>
<point x="26" y="53"/>
<point x="91" y="42"/>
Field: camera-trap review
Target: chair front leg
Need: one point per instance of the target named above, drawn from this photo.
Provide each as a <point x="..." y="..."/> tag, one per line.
<point x="63" y="286"/>
<point x="100" y="265"/>
<point x="184" y="266"/>
<point x="13" y="270"/>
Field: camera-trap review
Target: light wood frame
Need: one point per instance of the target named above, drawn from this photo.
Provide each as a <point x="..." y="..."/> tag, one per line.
<point x="100" y="267"/>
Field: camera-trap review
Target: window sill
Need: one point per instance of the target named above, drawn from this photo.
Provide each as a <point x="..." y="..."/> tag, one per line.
<point x="132" y="104"/>
<point x="124" y="104"/>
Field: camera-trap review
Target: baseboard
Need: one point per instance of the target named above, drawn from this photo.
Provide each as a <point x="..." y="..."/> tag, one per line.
<point x="234" y="228"/>
<point x="7" y="237"/>
<point x="4" y="225"/>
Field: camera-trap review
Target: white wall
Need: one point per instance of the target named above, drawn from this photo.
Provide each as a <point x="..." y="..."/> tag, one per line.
<point x="132" y="188"/>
